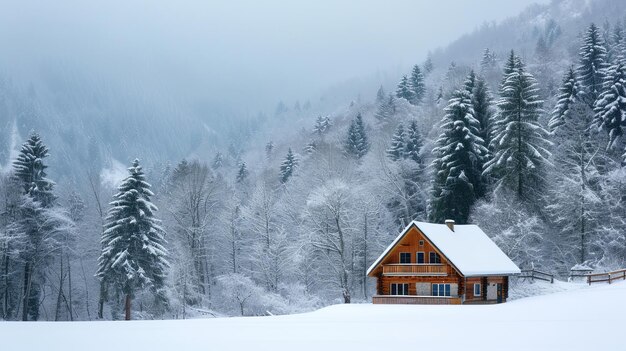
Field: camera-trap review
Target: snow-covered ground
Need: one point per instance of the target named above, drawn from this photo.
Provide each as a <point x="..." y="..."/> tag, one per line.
<point x="581" y="318"/>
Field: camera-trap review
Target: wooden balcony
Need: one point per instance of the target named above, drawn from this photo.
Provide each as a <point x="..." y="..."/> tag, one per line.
<point x="414" y="269"/>
<point x="415" y="300"/>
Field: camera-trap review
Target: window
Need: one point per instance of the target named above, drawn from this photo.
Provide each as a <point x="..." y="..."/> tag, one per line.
<point x="420" y="257"/>
<point x="399" y="289"/>
<point x="421" y="242"/>
<point x="476" y="289"/>
<point x="405" y="257"/>
<point x="434" y="257"/>
<point x="441" y="289"/>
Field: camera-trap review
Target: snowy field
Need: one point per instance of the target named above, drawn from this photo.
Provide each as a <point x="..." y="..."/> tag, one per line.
<point x="582" y="318"/>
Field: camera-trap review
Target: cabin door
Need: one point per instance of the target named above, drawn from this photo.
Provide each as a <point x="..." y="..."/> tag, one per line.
<point x="499" y="292"/>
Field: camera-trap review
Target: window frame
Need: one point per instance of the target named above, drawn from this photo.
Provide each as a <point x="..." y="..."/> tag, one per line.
<point x="478" y="285"/>
<point x="399" y="287"/>
<point x="421" y="243"/>
<point x="434" y="254"/>
<point x="441" y="289"/>
<point x="417" y="257"/>
<point x="405" y="253"/>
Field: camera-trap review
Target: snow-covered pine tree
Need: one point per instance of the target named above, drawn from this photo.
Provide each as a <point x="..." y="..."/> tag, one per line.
<point x="568" y="95"/>
<point x="574" y="193"/>
<point x="439" y="97"/>
<point x="386" y="109"/>
<point x="397" y="148"/>
<point x="593" y="64"/>
<point x="616" y="51"/>
<point x="30" y="170"/>
<point x="288" y="166"/>
<point x="380" y="94"/>
<point x="459" y="155"/>
<point x="133" y="245"/>
<point x="322" y="124"/>
<point x="30" y="173"/>
<point x="413" y="143"/>
<point x="511" y="64"/>
<point x="404" y="89"/>
<point x="357" y="144"/>
<point x="483" y="108"/>
<point x="417" y="85"/>
<point x="242" y="173"/>
<point x="218" y="161"/>
<point x="610" y="108"/>
<point x="428" y="65"/>
<point x="519" y="142"/>
<point x="269" y="149"/>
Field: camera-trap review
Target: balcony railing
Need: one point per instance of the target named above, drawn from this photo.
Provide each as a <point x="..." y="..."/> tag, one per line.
<point x="414" y="269"/>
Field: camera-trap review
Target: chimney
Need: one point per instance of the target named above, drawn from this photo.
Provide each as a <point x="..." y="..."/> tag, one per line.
<point x="450" y="224"/>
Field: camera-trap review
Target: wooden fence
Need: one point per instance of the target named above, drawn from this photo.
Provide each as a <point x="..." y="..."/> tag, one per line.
<point x="535" y="274"/>
<point x="606" y="277"/>
<point x="415" y="300"/>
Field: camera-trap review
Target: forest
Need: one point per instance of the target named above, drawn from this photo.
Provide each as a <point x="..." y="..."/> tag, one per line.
<point x="286" y="212"/>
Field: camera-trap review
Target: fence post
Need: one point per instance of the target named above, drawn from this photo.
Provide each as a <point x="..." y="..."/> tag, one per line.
<point x="609" y="278"/>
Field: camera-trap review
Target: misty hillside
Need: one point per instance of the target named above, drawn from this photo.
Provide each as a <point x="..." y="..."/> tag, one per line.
<point x="251" y="208"/>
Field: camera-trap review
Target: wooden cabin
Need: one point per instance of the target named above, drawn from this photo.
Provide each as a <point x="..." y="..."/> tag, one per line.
<point x="442" y="264"/>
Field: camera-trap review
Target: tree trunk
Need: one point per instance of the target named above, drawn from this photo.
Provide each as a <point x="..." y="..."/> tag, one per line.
<point x="101" y="301"/>
<point x="26" y="291"/>
<point x="57" y="312"/>
<point x="127" y="307"/>
<point x="69" y="282"/>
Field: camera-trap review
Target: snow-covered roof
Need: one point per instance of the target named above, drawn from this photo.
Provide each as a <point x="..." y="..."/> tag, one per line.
<point x="468" y="248"/>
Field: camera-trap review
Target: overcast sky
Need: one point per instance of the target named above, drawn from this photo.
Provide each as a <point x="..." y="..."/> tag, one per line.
<point x="223" y="50"/>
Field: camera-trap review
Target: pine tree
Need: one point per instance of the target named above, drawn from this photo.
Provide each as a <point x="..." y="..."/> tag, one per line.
<point x="133" y="246"/>
<point x="568" y="96"/>
<point x="428" y="65"/>
<point x="439" y="97"/>
<point x="322" y="124"/>
<point x="610" y="108"/>
<point x="380" y="94"/>
<point x="288" y="166"/>
<point x="30" y="173"/>
<point x="386" y="109"/>
<point x="483" y="110"/>
<point x="396" y="150"/>
<point x="459" y="155"/>
<point x="242" y="173"/>
<point x="269" y="149"/>
<point x="404" y="89"/>
<point x="593" y="64"/>
<point x="519" y="142"/>
<point x="218" y="161"/>
<point x="30" y="170"/>
<point x="488" y="61"/>
<point x="357" y="144"/>
<point x="511" y="64"/>
<point x="417" y="85"/>
<point x="413" y="143"/>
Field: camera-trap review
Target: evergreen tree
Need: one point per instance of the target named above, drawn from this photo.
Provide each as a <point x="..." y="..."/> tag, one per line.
<point x="404" y="89"/>
<point x="133" y="253"/>
<point x="459" y="155"/>
<point x="386" y="109"/>
<point x="218" y="160"/>
<point x="396" y="151"/>
<point x="380" y="94"/>
<point x="593" y="64"/>
<point x="417" y="85"/>
<point x="519" y="142"/>
<point x="30" y="170"/>
<point x="568" y="96"/>
<point x="242" y="173"/>
<point x="288" y="166"/>
<point x="610" y="108"/>
<point x="413" y="143"/>
<point x="511" y="64"/>
<point x="30" y="173"/>
<point x="322" y="125"/>
<point x="428" y="65"/>
<point x="487" y="62"/>
<point x="269" y="149"/>
<point x="439" y="97"/>
<point x="483" y="110"/>
<point x="357" y="144"/>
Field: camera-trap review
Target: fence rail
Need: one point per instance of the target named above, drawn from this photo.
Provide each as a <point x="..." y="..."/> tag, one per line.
<point x="535" y="274"/>
<point x="415" y="300"/>
<point x="606" y="277"/>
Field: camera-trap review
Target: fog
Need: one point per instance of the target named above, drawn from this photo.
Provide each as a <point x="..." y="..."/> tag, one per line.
<point x="239" y="56"/>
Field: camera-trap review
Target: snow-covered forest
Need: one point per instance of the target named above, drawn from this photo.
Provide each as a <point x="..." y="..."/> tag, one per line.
<point x="516" y="127"/>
